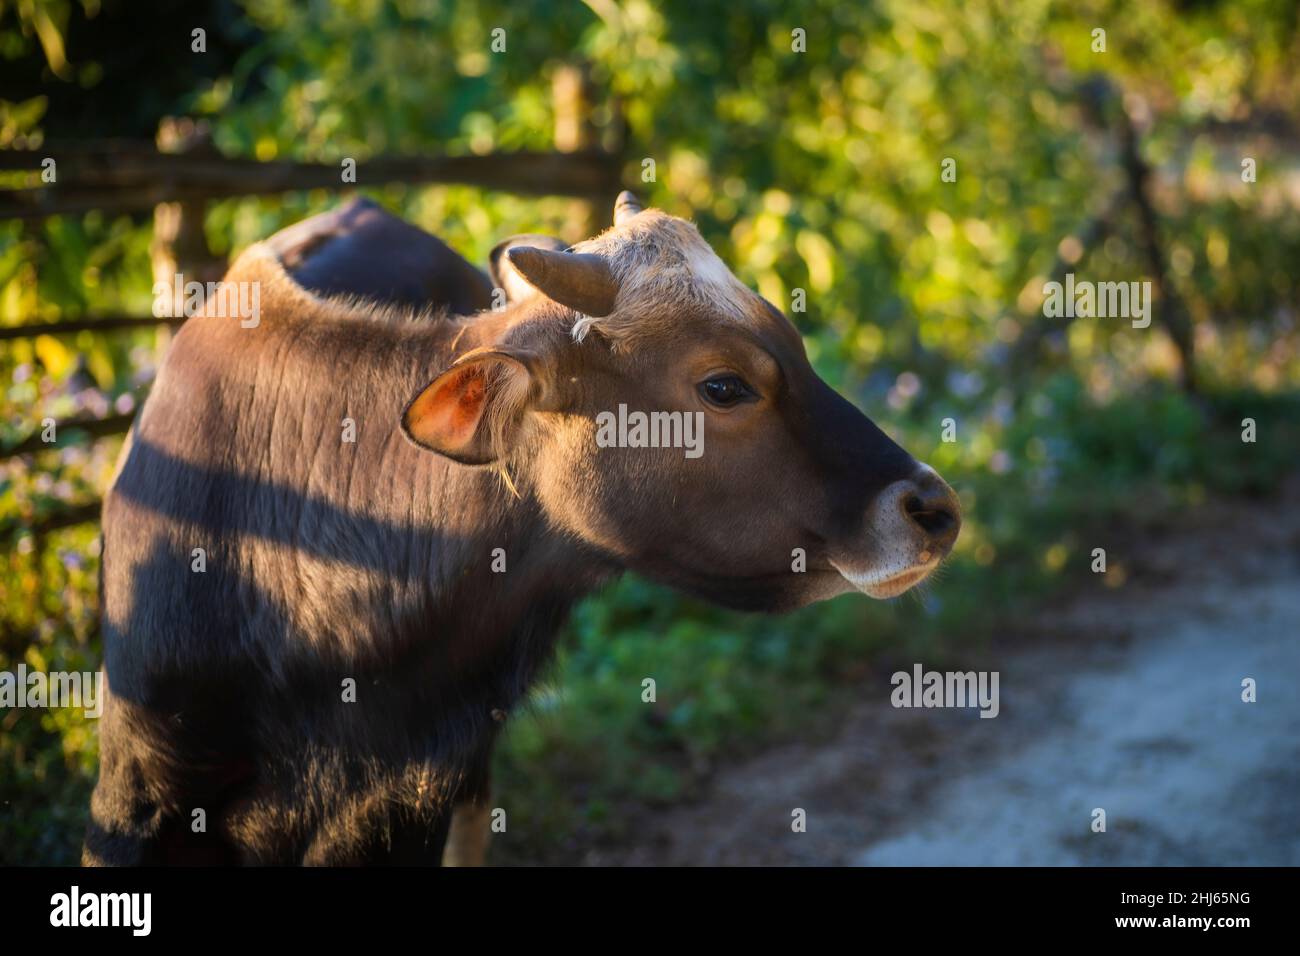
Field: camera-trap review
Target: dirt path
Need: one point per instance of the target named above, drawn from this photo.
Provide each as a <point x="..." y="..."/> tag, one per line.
<point x="1126" y="699"/>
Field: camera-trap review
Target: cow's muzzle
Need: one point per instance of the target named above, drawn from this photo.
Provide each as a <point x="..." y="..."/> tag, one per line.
<point x="911" y="528"/>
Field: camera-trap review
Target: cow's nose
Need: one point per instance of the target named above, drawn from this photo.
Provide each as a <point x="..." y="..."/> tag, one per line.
<point x="931" y="506"/>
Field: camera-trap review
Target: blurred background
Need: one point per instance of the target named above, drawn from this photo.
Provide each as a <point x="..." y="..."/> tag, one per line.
<point x="808" y="141"/>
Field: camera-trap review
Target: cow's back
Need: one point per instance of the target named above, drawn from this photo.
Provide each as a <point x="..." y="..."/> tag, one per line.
<point x="265" y="484"/>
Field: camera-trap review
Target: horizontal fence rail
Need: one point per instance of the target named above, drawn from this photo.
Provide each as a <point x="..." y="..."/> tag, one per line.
<point x="121" y="177"/>
<point x="92" y="427"/>
<point x="68" y="517"/>
<point x="117" y="323"/>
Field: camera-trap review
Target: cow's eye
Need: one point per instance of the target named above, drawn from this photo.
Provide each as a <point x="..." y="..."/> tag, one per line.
<point x="725" y="390"/>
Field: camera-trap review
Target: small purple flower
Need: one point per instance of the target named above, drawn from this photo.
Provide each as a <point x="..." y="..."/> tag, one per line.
<point x="93" y="401"/>
<point x="74" y="456"/>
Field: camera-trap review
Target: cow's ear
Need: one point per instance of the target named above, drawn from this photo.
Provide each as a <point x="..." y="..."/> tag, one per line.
<point x="472" y="412"/>
<point x="504" y="274"/>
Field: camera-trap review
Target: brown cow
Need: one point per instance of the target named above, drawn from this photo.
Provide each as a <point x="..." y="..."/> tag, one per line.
<point x="341" y="541"/>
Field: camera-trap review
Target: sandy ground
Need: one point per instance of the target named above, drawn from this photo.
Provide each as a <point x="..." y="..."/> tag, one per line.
<point x="1126" y="699"/>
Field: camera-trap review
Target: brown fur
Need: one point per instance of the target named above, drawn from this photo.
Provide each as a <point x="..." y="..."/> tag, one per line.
<point x="372" y="561"/>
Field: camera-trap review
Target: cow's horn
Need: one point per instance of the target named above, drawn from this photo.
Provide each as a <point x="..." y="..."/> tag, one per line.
<point x="580" y="280"/>
<point x="625" y="207"/>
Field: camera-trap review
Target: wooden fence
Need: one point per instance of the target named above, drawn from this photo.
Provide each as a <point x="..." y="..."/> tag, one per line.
<point x="179" y="174"/>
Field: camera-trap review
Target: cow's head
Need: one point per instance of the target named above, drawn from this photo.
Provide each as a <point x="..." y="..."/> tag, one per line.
<point x="788" y="474"/>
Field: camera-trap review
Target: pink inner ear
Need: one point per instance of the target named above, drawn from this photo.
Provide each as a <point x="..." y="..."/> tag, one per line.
<point x="447" y="415"/>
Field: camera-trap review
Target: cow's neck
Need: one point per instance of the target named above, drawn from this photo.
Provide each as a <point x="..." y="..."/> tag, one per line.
<point x="472" y="583"/>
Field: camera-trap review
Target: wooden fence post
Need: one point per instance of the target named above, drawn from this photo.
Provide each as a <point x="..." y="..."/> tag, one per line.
<point x="575" y="132"/>
<point x="1105" y="107"/>
<point x="1171" y="310"/>
<point x="180" y="246"/>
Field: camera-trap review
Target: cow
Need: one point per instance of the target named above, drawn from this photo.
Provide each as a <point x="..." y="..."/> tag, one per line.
<point x="341" y="540"/>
